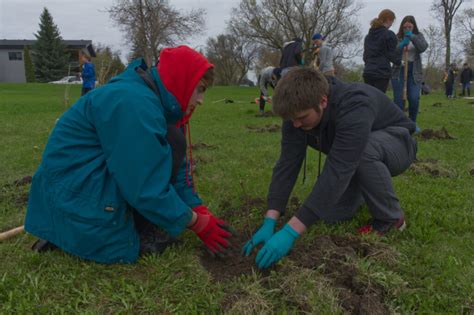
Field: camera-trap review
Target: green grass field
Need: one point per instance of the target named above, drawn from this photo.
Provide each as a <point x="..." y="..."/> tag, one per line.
<point x="427" y="269"/>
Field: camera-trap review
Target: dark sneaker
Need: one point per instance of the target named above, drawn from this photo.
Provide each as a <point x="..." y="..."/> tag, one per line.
<point x="383" y="227"/>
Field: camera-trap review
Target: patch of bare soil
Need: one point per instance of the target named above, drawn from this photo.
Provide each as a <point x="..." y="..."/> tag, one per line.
<point x="266" y="128"/>
<point x="23" y="181"/>
<point x="21" y="200"/>
<point x="334" y="256"/>
<point x="471" y="172"/>
<point x="430" y="167"/>
<point x="430" y="134"/>
<point x="437" y="104"/>
<point x="233" y="265"/>
<point x="203" y="145"/>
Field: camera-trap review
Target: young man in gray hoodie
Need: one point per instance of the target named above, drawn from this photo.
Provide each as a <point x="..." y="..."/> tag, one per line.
<point x="367" y="140"/>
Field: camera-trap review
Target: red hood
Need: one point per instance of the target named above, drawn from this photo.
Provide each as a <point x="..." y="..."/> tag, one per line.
<point x="180" y="69"/>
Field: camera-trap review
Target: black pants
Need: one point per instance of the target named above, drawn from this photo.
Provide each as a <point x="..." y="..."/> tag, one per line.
<point x="85" y="90"/>
<point x="381" y="84"/>
<point x="389" y="152"/>
<point x="152" y="238"/>
<point x="262" y="102"/>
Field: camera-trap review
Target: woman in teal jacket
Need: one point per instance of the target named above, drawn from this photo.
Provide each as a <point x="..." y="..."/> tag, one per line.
<point x="109" y="159"/>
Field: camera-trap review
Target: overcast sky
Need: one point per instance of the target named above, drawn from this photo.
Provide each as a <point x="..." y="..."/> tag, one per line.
<point x="87" y="19"/>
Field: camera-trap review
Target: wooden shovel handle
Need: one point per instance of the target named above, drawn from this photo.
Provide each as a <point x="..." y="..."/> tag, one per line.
<point x="10" y="233"/>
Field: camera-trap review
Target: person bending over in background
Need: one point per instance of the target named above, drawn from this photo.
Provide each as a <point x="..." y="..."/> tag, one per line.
<point x="114" y="166"/>
<point x="367" y="140"/>
<point x="267" y="77"/>
<point x="380" y="46"/>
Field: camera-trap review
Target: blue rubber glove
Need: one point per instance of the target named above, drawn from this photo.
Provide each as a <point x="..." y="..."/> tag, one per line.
<point x="404" y="42"/>
<point x="408" y="33"/>
<point x="276" y="247"/>
<point x="263" y="234"/>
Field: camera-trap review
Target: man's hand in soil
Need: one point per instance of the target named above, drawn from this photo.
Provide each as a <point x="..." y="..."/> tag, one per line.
<point x="213" y="232"/>
<point x="276" y="247"/>
<point x="263" y="234"/>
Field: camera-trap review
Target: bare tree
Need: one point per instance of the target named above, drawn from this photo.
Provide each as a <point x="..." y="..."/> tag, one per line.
<point x="446" y="9"/>
<point x="232" y="57"/>
<point x="434" y="53"/>
<point x="272" y="22"/>
<point x="151" y="24"/>
<point x="465" y="33"/>
<point x="433" y="56"/>
<point x="107" y="63"/>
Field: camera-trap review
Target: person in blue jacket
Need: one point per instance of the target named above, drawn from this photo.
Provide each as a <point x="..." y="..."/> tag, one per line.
<point x="88" y="71"/>
<point x="116" y="159"/>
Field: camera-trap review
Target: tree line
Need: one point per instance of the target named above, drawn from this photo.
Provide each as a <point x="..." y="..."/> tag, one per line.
<point x="254" y="36"/>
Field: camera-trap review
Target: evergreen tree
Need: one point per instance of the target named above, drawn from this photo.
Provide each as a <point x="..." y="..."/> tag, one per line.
<point x="29" y="68"/>
<point x="50" y="57"/>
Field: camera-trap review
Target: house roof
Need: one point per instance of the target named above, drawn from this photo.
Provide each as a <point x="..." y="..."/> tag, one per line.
<point x="21" y="43"/>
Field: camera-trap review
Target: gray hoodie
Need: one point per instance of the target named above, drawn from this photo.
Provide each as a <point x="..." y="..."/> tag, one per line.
<point x="354" y="110"/>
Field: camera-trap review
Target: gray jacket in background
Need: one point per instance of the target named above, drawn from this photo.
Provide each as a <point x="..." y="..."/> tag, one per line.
<point x="421" y="45"/>
<point x="265" y="79"/>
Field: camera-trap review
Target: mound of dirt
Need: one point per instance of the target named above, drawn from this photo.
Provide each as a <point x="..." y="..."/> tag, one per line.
<point x="430" y="134"/>
<point x="430" y="167"/>
<point x="335" y="257"/>
<point x="266" y="128"/>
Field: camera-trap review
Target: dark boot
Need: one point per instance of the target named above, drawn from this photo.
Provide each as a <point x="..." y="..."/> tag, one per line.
<point x="153" y="240"/>
<point x="42" y="246"/>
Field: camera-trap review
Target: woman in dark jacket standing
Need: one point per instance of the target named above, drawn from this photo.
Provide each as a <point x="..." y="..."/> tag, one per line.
<point x="413" y="43"/>
<point x="379" y="50"/>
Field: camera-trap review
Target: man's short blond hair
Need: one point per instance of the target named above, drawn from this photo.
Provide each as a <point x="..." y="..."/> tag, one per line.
<point x="300" y="89"/>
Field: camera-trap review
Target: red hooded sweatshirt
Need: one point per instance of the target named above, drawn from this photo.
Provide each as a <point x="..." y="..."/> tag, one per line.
<point x="180" y="69"/>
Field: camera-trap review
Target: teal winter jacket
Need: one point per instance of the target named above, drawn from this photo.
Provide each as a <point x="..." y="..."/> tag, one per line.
<point x="106" y="155"/>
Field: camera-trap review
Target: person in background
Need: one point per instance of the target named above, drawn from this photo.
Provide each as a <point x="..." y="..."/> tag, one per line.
<point x="88" y="71"/>
<point x="412" y="44"/>
<point x="322" y="55"/>
<point x="116" y="164"/>
<point x="367" y="140"/>
<point x="450" y="80"/>
<point x="292" y="54"/>
<point x="466" y="78"/>
<point x="380" y="46"/>
<point x="268" y="77"/>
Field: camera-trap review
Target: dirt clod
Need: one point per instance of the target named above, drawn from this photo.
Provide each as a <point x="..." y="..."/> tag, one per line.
<point x="231" y="266"/>
<point x="430" y="167"/>
<point x="266" y="128"/>
<point x="23" y="181"/>
<point x="430" y="134"/>
<point x="471" y="172"/>
<point x="334" y="256"/>
<point x="437" y="104"/>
